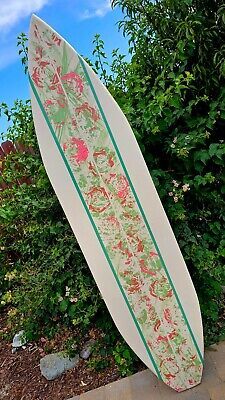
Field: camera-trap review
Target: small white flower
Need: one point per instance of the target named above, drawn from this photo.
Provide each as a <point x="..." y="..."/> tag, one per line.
<point x="186" y="187"/>
<point x="73" y="299"/>
<point x="172" y="146"/>
<point x="170" y="194"/>
<point x="175" y="183"/>
<point x="175" y="140"/>
<point x="67" y="291"/>
<point x="175" y="199"/>
<point x="60" y="298"/>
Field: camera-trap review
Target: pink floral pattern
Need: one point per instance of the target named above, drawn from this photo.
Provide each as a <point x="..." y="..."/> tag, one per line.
<point x="74" y="114"/>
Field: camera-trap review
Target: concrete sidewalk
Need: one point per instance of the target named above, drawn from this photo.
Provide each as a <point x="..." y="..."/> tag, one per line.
<point x="145" y="386"/>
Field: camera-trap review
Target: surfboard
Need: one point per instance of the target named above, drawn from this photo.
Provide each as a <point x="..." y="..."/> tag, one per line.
<point x="100" y="177"/>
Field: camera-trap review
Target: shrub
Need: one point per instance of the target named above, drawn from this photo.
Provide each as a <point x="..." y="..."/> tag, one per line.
<point x="174" y="98"/>
<point x="44" y="276"/>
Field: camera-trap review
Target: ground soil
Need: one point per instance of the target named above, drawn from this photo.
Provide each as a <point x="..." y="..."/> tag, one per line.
<point x="21" y="379"/>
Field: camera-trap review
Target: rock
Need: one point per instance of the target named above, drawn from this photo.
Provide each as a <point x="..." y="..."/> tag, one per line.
<point x="87" y="349"/>
<point x="53" y="365"/>
<point x="18" y="341"/>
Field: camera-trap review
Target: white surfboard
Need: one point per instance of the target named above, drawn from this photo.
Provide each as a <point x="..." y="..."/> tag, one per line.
<point x="101" y="180"/>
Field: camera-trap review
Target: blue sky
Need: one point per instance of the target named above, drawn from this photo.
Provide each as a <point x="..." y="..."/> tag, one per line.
<point x="76" y="20"/>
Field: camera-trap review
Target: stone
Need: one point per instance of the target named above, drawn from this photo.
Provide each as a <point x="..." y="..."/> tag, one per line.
<point x="18" y="341"/>
<point x="54" y="365"/>
<point x="87" y="349"/>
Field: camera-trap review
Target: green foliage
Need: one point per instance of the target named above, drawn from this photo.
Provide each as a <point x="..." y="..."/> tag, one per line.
<point x="98" y="363"/>
<point x="174" y="98"/>
<point x="101" y="63"/>
<point x="44" y="278"/>
<point x="124" y="358"/>
<point x="23" y="50"/>
<point x="111" y="345"/>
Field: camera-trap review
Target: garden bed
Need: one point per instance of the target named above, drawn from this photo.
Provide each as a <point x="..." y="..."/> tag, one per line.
<point x="21" y="379"/>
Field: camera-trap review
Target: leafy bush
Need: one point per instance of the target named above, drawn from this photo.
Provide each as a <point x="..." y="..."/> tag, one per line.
<point x="174" y="98"/>
<point x="44" y="276"/>
<point x="45" y="283"/>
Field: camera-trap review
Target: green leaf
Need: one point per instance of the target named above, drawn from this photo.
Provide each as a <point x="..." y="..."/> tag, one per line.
<point x="126" y="354"/>
<point x="213" y="148"/>
<point x="203" y="156"/>
<point x="63" y="305"/>
<point x="175" y="102"/>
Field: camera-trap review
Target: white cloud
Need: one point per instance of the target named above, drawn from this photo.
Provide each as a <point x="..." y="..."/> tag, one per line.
<point x="97" y="8"/>
<point x="11" y="11"/>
